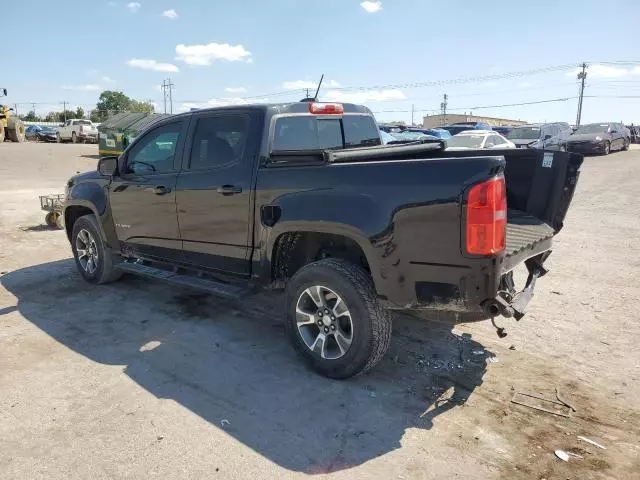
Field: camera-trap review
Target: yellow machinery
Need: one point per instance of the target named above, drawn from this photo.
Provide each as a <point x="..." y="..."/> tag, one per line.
<point x="11" y="128"/>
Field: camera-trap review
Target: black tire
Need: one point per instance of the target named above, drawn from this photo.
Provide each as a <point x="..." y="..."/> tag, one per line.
<point x="607" y="148"/>
<point x="105" y="270"/>
<point x="371" y="323"/>
<point x="1" y="133"/>
<point x="74" y="137"/>
<point x="58" y="138"/>
<point x="625" y="147"/>
<point x="16" y="131"/>
<point x="50" y="219"/>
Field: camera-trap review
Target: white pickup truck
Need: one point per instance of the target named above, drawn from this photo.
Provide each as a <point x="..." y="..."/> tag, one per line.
<point x="78" y="130"/>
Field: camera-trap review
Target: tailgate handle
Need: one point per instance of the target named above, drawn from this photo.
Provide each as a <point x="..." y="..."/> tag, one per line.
<point x="229" y="190"/>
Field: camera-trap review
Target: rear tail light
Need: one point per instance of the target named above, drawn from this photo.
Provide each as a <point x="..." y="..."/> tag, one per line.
<point x="81" y="129"/>
<point x="326" y="108"/>
<point x="487" y="217"/>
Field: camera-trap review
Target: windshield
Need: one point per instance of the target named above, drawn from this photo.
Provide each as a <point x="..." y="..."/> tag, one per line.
<point x="525" y="133"/>
<point x="48" y="129"/>
<point x="593" y="128"/>
<point x="467" y="141"/>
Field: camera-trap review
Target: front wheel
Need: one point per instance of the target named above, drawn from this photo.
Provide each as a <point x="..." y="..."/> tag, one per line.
<point x="625" y="146"/>
<point x="334" y="320"/>
<point x="58" y="138"/>
<point x="94" y="258"/>
<point x="607" y="148"/>
<point x="74" y="137"/>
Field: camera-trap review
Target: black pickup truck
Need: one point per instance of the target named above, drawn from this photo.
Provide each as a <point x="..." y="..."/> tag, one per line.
<point x="303" y="197"/>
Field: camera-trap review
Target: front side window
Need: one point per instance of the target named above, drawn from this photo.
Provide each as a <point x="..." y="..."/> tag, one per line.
<point x="154" y="153"/>
<point x="218" y="141"/>
<point x="498" y="140"/>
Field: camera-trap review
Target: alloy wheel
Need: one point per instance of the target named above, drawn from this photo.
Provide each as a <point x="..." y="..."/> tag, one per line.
<point x="87" y="251"/>
<point x="324" y="322"/>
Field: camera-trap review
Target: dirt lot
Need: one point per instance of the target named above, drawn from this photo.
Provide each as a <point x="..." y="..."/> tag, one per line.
<point x="139" y="380"/>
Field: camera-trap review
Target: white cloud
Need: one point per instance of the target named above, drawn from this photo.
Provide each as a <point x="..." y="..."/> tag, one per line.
<point x="108" y="79"/>
<point x="606" y="71"/>
<point x="525" y="85"/>
<point x="83" y="88"/>
<point x="205" y="54"/>
<point x="152" y="65"/>
<point x="171" y="14"/>
<point x="133" y="6"/>
<point x="302" y="84"/>
<point x="111" y="4"/>
<point x="371" y="7"/>
<point x="235" y="89"/>
<point x="364" y="97"/>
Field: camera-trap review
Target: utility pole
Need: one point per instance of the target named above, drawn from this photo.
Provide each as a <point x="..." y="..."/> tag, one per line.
<point x="443" y="108"/>
<point x="15" y="108"/>
<point x="167" y="93"/>
<point x="64" y="110"/>
<point x="582" y="77"/>
<point x="412" y="111"/>
<point x="306" y="94"/>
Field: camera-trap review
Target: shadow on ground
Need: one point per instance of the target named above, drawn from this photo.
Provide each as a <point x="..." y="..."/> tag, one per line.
<point x="230" y="361"/>
<point x="94" y="157"/>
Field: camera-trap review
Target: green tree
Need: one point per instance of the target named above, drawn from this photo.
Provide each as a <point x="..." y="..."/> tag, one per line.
<point x="143" y="107"/>
<point x="79" y="113"/>
<point x="111" y="102"/>
<point x="31" y="117"/>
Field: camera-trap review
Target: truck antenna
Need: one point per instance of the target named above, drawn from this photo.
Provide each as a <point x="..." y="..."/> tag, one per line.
<point x="315" y="97"/>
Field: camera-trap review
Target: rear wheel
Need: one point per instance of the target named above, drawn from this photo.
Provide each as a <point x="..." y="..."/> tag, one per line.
<point x="334" y="319"/>
<point x="625" y="146"/>
<point x="94" y="259"/>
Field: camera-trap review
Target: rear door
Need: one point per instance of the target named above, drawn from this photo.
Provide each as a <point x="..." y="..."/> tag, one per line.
<point x="214" y="191"/>
<point x="143" y="196"/>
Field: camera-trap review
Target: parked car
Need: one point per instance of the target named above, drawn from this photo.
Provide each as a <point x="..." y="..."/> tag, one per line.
<point x="478" y="139"/>
<point x="634" y="132"/>
<point x="78" y="130"/>
<point x="412" y="136"/>
<point x="548" y="136"/>
<point x="300" y="197"/>
<point x="502" y="129"/>
<point x="599" y="138"/>
<point x="434" y="132"/>
<point x="386" y="137"/>
<point x="456" y="128"/>
<point x="42" y="133"/>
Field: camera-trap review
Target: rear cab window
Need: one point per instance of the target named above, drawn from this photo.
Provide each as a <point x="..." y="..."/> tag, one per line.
<point x="311" y="132"/>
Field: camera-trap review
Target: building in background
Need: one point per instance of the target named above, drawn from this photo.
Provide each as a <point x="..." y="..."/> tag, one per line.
<point x="432" y="121"/>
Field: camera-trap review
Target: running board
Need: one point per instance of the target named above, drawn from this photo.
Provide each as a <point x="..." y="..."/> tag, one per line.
<point x="210" y="286"/>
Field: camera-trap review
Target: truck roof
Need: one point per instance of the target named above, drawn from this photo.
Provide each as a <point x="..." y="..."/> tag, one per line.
<point x="283" y="108"/>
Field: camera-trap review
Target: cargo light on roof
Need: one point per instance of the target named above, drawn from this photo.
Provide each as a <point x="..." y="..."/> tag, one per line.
<point x="326" y="108"/>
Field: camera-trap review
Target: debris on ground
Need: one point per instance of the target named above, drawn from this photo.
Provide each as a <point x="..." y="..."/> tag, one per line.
<point x="562" y="455"/>
<point x="520" y="398"/>
<point x="562" y="401"/>
<point x="224" y="422"/>
<point x="588" y="440"/>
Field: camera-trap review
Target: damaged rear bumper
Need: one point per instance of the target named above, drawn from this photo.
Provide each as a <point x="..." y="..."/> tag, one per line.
<point x="510" y="303"/>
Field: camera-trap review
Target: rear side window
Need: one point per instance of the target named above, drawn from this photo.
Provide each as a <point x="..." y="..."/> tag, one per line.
<point x="218" y="140"/>
<point x="308" y="132"/>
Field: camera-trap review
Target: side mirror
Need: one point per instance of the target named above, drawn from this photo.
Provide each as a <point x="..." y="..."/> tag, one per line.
<point x="4" y="92"/>
<point x="614" y="131"/>
<point x="108" y="166"/>
<point x="547" y="137"/>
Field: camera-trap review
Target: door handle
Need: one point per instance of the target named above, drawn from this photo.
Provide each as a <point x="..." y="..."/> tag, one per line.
<point x="229" y="190"/>
<point x="161" y="190"/>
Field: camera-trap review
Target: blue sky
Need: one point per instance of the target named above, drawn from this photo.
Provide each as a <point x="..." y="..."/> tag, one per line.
<point x="220" y="52"/>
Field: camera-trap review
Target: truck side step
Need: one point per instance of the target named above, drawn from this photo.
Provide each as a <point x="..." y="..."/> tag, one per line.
<point x="207" y="285"/>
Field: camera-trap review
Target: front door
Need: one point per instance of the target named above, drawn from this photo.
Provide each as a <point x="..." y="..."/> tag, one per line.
<point x="213" y="192"/>
<point x="143" y="197"/>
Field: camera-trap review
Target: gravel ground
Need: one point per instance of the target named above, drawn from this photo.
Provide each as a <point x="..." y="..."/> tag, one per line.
<point x="138" y="379"/>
